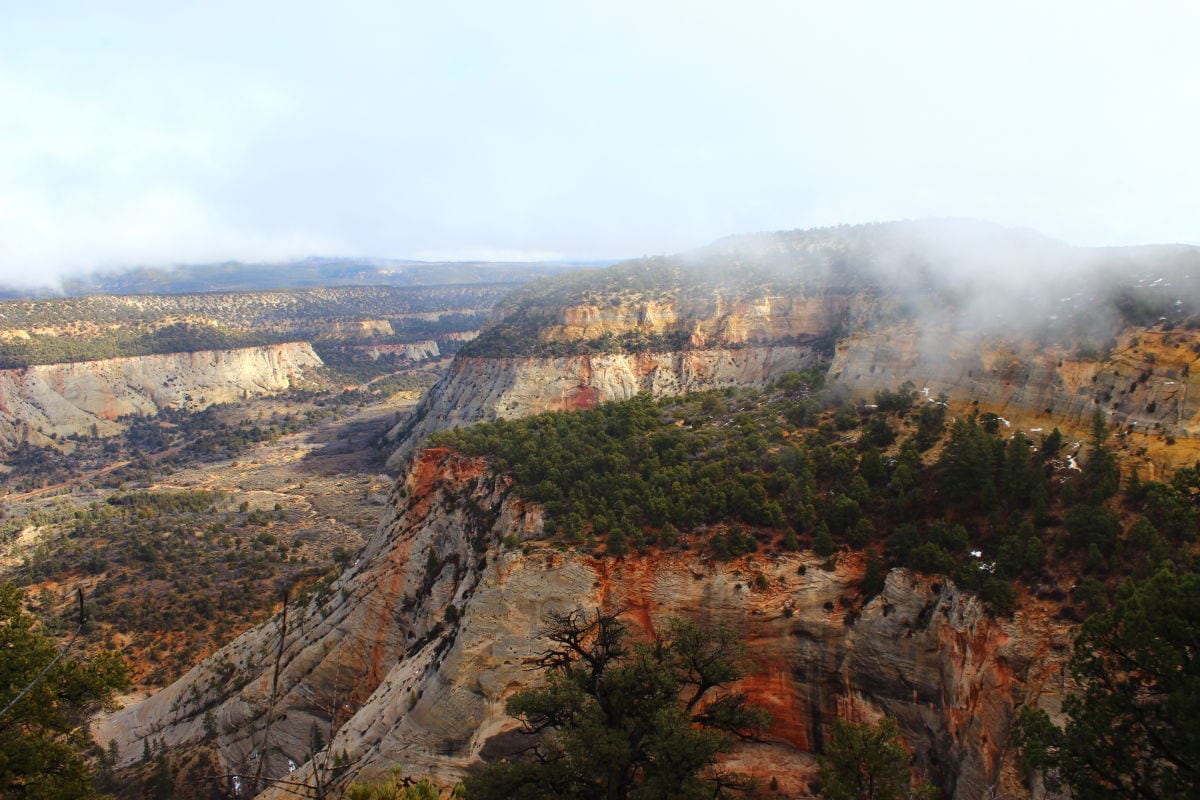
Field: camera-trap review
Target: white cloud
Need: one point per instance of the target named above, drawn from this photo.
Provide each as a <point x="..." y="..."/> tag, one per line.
<point x="86" y="183"/>
<point x="142" y="131"/>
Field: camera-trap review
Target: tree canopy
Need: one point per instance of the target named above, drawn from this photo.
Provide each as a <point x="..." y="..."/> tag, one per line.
<point x="621" y="719"/>
<point x="44" y="736"/>
<point x="868" y="761"/>
<point x="1133" y="730"/>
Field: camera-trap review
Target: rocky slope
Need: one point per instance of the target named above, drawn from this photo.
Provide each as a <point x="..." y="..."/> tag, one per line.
<point x="89" y="398"/>
<point x="376" y="672"/>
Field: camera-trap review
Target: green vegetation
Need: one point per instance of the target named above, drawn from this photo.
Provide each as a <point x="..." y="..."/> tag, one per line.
<point x="520" y="335"/>
<point x="623" y="719"/>
<point x="44" y="735"/>
<point x="169" y="563"/>
<point x="263" y="310"/>
<point x="395" y="787"/>
<point x="71" y="329"/>
<point x="739" y="470"/>
<point x="642" y="467"/>
<point x="1132" y="731"/>
<point x="868" y="762"/>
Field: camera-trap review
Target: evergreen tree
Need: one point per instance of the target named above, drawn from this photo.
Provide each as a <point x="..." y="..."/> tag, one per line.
<point x="968" y="464"/>
<point x="871" y="467"/>
<point x="618" y="719"/>
<point x="823" y="542"/>
<point x="1101" y="475"/>
<point x="43" y="734"/>
<point x="1133" y="731"/>
<point x="868" y="762"/>
<point x="931" y="423"/>
<point x="1019" y="474"/>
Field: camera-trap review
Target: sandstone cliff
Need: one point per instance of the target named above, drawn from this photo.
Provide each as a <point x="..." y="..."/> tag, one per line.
<point x="1144" y="385"/>
<point x="90" y="397"/>
<point x="488" y="388"/>
<point x="708" y="317"/>
<point x="383" y="675"/>
<point x="413" y="351"/>
<point x="1000" y="321"/>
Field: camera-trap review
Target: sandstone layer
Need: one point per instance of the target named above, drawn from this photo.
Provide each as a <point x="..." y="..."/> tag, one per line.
<point x="90" y="397"/>
<point x="376" y="672"/>
<point x="412" y="351"/>
<point x="478" y="389"/>
<point x="708" y="318"/>
<point x="1144" y="385"/>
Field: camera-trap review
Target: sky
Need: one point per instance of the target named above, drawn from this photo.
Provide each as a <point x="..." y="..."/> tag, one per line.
<point x="153" y="133"/>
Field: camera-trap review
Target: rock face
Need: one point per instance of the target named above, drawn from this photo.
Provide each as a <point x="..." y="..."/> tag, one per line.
<point x="708" y="318"/>
<point x="413" y="351"/>
<point x="999" y="320"/>
<point x="80" y="398"/>
<point x="356" y="329"/>
<point x="378" y="672"/>
<point x="478" y="389"/>
<point x="1144" y="384"/>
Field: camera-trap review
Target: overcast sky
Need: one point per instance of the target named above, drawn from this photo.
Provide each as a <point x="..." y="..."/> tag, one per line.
<point x="167" y="131"/>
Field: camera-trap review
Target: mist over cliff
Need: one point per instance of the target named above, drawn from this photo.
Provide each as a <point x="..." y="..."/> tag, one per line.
<point x="1026" y="325"/>
<point x="971" y="276"/>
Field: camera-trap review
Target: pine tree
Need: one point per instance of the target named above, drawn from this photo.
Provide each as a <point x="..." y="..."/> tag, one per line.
<point x="868" y="762"/>
<point x="1133" y="731"/>
<point x="823" y="542"/>
<point x="43" y="732"/>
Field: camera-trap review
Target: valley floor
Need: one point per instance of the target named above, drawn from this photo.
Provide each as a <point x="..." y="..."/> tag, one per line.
<point x="284" y="513"/>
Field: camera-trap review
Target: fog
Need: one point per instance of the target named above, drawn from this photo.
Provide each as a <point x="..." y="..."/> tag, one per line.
<point x="140" y="133"/>
<point x="959" y="278"/>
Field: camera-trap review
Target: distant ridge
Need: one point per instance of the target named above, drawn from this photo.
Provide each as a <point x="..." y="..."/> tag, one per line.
<point x="233" y="276"/>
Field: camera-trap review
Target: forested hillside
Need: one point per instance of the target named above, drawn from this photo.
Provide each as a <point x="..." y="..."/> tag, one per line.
<point x="997" y="510"/>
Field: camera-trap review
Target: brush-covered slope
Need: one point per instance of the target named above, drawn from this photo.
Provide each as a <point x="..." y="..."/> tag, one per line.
<point x="379" y="670"/>
<point x="1024" y="325"/>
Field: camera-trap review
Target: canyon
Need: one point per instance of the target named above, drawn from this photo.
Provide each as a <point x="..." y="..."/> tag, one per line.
<point x="408" y="656"/>
<point x="376" y="665"/>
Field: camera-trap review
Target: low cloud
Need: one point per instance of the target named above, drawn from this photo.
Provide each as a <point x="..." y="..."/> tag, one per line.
<point x="89" y="186"/>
